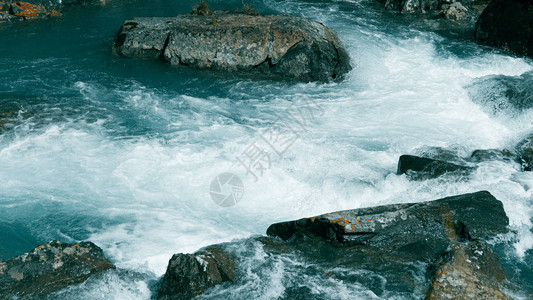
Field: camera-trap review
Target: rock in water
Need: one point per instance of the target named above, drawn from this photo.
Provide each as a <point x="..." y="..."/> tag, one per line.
<point x="479" y="213"/>
<point x="421" y="168"/>
<point x="49" y="268"/>
<point x="442" y="235"/>
<point x="507" y="24"/>
<point x="188" y="275"/>
<point x="282" y="45"/>
<point x="525" y="153"/>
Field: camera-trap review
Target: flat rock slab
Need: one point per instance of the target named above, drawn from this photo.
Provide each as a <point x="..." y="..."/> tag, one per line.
<point x="477" y="216"/>
<point x="49" y="268"/>
<point x="281" y="45"/>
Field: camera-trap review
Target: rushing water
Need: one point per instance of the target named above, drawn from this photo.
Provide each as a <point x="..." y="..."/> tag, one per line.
<point x="121" y="152"/>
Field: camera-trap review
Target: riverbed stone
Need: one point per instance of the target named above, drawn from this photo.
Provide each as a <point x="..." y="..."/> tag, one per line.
<point x="279" y="45"/>
<point x="50" y="267"/>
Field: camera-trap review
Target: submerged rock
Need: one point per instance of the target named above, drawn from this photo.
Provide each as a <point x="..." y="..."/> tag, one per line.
<point x="492" y="154"/>
<point x="421" y="168"/>
<point x="507" y="24"/>
<point x="525" y="153"/>
<point x="188" y="275"/>
<point x="49" y="268"/>
<point x="282" y="45"/>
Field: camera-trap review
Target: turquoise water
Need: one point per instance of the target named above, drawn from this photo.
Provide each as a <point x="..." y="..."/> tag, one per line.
<point x="121" y="152"/>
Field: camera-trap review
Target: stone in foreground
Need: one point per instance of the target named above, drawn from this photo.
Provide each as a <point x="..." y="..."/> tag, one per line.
<point x="49" y="268"/>
<point x="188" y="275"/>
<point x="281" y="45"/>
<point x="477" y="215"/>
<point x="507" y="24"/>
<point x="421" y="168"/>
<point x="392" y="240"/>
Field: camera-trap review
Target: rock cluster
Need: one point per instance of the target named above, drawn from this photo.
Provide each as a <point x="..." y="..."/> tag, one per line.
<point x="455" y="10"/>
<point x="280" y="45"/>
<point x="443" y="238"/>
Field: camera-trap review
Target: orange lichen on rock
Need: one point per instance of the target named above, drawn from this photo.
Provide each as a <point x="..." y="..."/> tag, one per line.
<point x="55" y="13"/>
<point x="39" y="247"/>
<point x="28" y="10"/>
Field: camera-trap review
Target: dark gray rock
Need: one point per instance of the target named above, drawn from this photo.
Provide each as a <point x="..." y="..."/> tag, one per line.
<point x="478" y="216"/>
<point x="398" y="241"/>
<point x="525" y="153"/>
<point x="507" y="24"/>
<point x="395" y="251"/>
<point x="49" y="268"/>
<point x="282" y="45"/>
<point x="188" y="275"/>
<point x="422" y="168"/>
<point x="492" y="154"/>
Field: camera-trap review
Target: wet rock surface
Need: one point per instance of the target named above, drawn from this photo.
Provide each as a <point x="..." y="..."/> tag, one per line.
<point x="470" y="271"/>
<point x="398" y="241"/>
<point x="525" y="153"/>
<point x="189" y="275"/>
<point x="422" y="168"/>
<point x="49" y="268"/>
<point x="282" y="45"/>
<point x="507" y="24"/>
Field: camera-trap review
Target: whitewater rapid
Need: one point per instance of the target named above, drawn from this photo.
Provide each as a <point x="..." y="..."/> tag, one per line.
<point x="126" y="163"/>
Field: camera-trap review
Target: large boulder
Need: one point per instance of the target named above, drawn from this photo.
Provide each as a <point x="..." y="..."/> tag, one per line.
<point x="281" y="45"/>
<point x="188" y="275"/>
<point x="398" y="241"/>
<point x="477" y="215"/>
<point x="49" y="268"/>
<point x="507" y="24"/>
